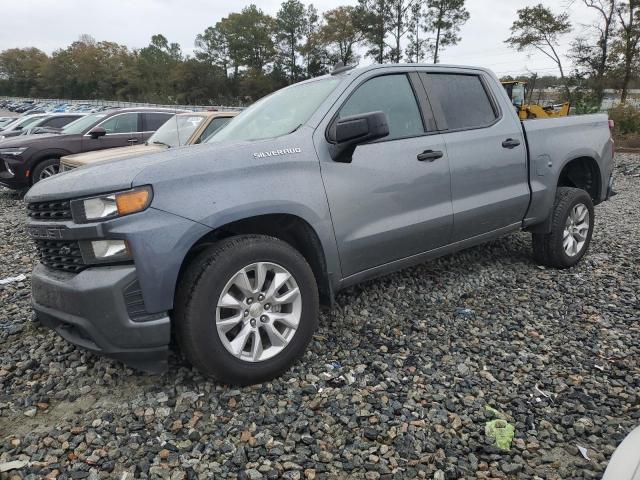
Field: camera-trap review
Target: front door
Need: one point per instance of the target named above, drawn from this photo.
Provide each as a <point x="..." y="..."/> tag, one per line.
<point x="123" y="129"/>
<point x="392" y="200"/>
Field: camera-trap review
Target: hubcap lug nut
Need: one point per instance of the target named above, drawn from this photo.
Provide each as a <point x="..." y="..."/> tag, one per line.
<point x="246" y="313"/>
<point x="264" y="318"/>
<point x="267" y="306"/>
<point x="260" y="297"/>
<point x="253" y="322"/>
<point x="249" y="301"/>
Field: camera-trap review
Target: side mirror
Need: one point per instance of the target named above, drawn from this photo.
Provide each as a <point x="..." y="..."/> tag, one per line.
<point x="349" y="132"/>
<point x="97" y="132"/>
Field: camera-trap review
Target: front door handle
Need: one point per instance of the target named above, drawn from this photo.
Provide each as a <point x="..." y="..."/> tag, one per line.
<point x="133" y="140"/>
<point x="510" y="143"/>
<point x="429" y="155"/>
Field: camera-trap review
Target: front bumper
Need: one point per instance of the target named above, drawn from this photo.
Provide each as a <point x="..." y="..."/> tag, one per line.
<point x="13" y="174"/>
<point x="89" y="309"/>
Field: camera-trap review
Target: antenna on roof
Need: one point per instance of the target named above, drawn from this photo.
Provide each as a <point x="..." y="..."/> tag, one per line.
<point x="341" y="67"/>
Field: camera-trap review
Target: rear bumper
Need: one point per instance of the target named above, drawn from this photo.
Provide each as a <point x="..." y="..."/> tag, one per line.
<point x="610" y="191"/>
<point x="89" y="309"/>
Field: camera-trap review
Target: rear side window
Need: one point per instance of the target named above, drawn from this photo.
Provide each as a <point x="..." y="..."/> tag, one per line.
<point x="215" y="125"/>
<point x="58" y="122"/>
<point x="464" y="101"/>
<point x="121" y="123"/>
<point x="393" y="95"/>
<point x="153" y="121"/>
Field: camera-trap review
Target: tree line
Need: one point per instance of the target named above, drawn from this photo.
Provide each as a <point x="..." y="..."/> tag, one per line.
<point x="249" y="53"/>
<point x="241" y="57"/>
<point x="603" y="54"/>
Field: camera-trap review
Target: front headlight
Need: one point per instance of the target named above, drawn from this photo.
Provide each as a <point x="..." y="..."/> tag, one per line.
<point x="112" y="205"/>
<point x="12" y="152"/>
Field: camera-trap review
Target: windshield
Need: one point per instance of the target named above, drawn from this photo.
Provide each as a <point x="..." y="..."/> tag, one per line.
<point x="80" y="125"/>
<point x="25" y="121"/>
<point x="176" y="131"/>
<point x="278" y="114"/>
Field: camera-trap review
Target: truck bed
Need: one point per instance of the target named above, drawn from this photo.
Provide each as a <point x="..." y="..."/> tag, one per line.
<point x="552" y="143"/>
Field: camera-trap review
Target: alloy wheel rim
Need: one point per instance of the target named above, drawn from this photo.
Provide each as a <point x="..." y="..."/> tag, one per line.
<point x="258" y="311"/>
<point x="576" y="230"/>
<point x="49" y="171"/>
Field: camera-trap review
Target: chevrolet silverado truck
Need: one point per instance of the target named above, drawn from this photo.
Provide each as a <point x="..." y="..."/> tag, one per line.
<point x="232" y="245"/>
<point x="183" y="129"/>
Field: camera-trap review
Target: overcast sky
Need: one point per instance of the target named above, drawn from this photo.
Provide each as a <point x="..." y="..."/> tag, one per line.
<point x="53" y="24"/>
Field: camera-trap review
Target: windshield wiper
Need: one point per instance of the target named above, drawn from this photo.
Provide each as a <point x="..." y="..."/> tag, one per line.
<point x="157" y="142"/>
<point x="295" y="129"/>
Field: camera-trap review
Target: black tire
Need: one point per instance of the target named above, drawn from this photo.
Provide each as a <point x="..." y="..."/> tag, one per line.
<point x="36" y="173"/>
<point x="197" y="297"/>
<point x="548" y="247"/>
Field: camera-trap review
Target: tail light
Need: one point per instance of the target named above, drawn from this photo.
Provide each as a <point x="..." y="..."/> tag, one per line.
<point x="612" y="124"/>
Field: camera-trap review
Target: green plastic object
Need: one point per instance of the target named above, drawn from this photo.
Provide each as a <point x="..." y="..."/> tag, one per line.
<point x="499" y="429"/>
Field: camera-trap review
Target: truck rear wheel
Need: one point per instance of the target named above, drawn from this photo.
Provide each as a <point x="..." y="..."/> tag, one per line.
<point x="572" y="222"/>
<point x="246" y="309"/>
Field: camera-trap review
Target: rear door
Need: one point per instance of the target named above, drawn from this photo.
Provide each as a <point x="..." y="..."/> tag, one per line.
<point x="390" y="201"/>
<point x="487" y="153"/>
<point x="152" y="121"/>
<point x="123" y="129"/>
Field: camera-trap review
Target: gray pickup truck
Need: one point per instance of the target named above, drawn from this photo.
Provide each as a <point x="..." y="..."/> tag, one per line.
<point x="230" y="246"/>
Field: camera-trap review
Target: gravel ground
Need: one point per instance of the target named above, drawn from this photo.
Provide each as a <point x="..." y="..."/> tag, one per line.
<point x="396" y="383"/>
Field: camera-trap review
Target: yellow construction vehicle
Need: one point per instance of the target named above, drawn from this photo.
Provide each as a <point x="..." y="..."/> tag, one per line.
<point x="517" y="91"/>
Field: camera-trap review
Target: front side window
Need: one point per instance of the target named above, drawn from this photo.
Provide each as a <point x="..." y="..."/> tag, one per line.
<point x="464" y="101"/>
<point x="393" y="95"/>
<point x="121" y="123"/>
<point x="215" y="125"/>
<point x="278" y="114"/>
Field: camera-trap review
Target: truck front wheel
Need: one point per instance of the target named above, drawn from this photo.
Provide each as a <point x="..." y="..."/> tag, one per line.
<point x="572" y="222"/>
<point x="246" y="309"/>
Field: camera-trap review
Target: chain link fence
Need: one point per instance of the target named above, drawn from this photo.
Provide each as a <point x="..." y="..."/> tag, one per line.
<point x="122" y="104"/>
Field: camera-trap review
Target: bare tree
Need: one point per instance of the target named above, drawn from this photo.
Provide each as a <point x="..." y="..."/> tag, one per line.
<point x="629" y="37"/>
<point x="596" y="57"/>
<point x="540" y="29"/>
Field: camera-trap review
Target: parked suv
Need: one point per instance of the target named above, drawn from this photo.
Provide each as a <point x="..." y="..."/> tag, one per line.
<point x="42" y="121"/>
<point x="231" y="245"/>
<point x="25" y="160"/>
<point x="183" y="129"/>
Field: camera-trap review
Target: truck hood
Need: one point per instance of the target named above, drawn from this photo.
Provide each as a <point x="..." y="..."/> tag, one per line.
<point x="80" y="159"/>
<point x="195" y="163"/>
<point x="106" y="176"/>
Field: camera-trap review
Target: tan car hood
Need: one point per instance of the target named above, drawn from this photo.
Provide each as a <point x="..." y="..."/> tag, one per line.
<point x="86" y="158"/>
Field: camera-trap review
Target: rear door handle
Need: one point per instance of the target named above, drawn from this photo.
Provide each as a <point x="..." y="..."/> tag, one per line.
<point x="133" y="140"/>
<point x="510" y="143"/>
<point x="429" y="155"/>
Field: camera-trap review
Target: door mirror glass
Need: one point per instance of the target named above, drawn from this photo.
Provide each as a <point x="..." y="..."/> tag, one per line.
<point x="357" y="129"/>
<point x="97" y="132"/>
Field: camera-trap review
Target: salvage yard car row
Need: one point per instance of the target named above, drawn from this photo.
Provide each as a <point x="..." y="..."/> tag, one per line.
<point x="31" y="146"/>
